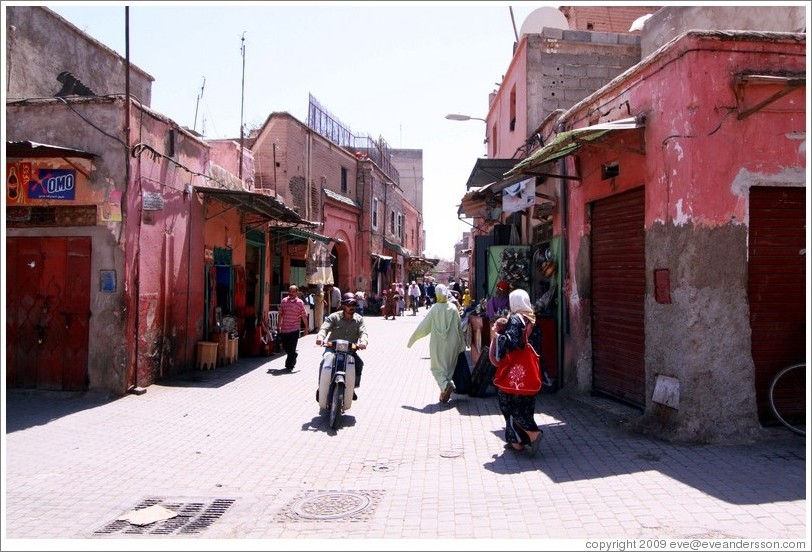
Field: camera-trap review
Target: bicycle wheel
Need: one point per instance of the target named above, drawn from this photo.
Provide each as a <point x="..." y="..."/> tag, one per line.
<point x="788" y="397"/>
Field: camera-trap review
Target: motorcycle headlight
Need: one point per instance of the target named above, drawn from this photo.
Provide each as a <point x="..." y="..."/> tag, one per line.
<point x="342" y="346"/>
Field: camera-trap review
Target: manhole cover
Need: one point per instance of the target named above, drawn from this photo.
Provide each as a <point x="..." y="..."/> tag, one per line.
<point x="450" y="453"/>
<point x="331" y="506"/>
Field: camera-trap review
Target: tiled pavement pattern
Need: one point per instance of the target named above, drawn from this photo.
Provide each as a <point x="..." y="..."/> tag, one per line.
<point x="245" y="452"/>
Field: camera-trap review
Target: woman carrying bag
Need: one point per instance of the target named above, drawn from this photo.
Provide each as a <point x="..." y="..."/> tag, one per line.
<point x="517" y="379"/>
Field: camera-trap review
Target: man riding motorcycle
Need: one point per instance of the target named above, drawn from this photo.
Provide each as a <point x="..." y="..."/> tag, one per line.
<point x="348" y="325"/>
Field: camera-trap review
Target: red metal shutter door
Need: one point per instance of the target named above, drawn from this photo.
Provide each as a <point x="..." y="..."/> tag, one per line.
<point x="776" y="283"/>
<point x="618" y="292"/>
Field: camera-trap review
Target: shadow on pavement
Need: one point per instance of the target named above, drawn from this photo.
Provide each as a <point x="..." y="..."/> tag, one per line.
<point x="30" y="408"/>
<point x="223" y="375"/>
<point x="319" y="423"/>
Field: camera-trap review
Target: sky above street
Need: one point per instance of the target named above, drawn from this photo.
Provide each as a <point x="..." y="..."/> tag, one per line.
<point x="389" y="69"/>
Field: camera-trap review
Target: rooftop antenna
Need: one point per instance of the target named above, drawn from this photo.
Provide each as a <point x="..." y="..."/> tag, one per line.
<point x="513" y="21"/>
<point x="203" y="86"/>
<point x="242" y="102"/>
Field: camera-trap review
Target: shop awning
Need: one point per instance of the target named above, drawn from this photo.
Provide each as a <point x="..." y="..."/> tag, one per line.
<point x="567" y="143"/>
<point x="26" y="148"/>
<point x="263" y="208"/>
<point x="303" y="234"/>
<point x="487" y="171"/>
<point x="421" y="264"/>
<point x="396" y="248"/>
<point x="485" y="185"/>
<point x="481" y="202"/>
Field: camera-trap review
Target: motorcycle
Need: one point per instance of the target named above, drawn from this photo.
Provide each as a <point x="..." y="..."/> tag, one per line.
<point x="337" y="380"/>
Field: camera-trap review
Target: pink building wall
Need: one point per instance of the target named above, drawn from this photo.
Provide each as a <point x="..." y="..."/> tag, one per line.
<point x="701" y="156"/>
<point x="342" y="225"/>
<point x="164" y="260"/>
<point x="502" y="142"/>
<point x="143" y="234"/>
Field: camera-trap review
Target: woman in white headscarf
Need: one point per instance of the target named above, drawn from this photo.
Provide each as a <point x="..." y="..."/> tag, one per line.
<point x="516" y="404"/>
<point x="442" y="323"/>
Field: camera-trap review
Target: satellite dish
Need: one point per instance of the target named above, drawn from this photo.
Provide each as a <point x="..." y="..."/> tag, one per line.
<point x="543" y="17"/>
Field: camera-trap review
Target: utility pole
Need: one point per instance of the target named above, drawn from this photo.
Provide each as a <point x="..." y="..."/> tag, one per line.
<point x="202" y="87"/>
<point x="242" y="102"/>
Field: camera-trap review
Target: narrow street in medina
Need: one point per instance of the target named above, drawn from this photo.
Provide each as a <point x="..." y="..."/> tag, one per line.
<point x="242" y="453"/>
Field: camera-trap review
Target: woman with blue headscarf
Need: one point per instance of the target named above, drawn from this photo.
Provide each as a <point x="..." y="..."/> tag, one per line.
<point x="442" y="323"/>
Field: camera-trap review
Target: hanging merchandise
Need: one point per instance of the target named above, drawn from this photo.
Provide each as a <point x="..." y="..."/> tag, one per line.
<point x="514" y="267"/>
<point x="318" y="266"/>
<point x="510" y="264"/>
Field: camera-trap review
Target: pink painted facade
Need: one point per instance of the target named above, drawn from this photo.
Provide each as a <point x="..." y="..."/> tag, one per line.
<point x="723" y="112"/>
<point x="507" y="118"/>
<point x="678" y="237"/>
<point x="148" y="237"/>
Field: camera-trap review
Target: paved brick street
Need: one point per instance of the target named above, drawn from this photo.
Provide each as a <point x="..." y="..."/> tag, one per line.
<point x="243" y="453"/>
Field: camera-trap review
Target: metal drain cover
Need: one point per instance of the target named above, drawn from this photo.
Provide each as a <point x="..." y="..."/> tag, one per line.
<point x="331" y="506"/>
<point x="193" y="516"/>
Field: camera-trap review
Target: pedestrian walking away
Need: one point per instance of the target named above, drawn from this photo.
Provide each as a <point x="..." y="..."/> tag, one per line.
<point x="348" y="325"/>
<point x="292" y="313"/>
<point x="430" y="288"/>
<point x="414" y="297"/>
<point x="517" y="379"/>
<point x="442" y="324"/>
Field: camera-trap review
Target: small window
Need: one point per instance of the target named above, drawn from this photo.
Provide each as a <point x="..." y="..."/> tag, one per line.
<point x="609" y="170"/>
<point x="172" y="143"/>
<point x="400" y="226"/>
<point x="513" y="108"/>
<point x="375" y="213"/>
<point x="343" y="180"/>
<point x="392" y="222"/>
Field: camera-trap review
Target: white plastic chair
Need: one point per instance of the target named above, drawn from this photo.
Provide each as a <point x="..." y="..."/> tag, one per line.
<point x="273" y="322"/>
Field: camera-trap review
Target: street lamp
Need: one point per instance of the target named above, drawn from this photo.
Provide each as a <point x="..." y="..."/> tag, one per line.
<point x="460" y="117"/>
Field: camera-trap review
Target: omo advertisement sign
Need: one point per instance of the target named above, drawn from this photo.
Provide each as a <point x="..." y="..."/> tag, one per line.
<point x="53" y="184"/>
<point x="25" y="181"/>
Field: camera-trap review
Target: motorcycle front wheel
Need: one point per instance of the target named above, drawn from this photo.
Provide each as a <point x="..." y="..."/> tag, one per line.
<point x="336" y="405"/>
